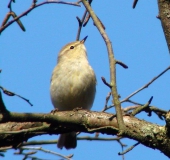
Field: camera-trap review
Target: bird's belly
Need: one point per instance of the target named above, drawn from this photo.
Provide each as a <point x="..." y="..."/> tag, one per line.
<point x="76" y="89"/>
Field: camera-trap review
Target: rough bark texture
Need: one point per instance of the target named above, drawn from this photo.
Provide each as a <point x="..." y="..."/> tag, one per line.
<point x="148" y="134"/>
<point x="164" y="15"/>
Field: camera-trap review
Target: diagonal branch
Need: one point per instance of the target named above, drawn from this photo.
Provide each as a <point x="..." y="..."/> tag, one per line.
<point x="146" y="85"/>
<point x="112" y="64"/>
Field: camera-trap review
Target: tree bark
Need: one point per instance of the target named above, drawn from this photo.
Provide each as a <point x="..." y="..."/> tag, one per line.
<point x="13" y="133"/>
<point x="164" y="15"/>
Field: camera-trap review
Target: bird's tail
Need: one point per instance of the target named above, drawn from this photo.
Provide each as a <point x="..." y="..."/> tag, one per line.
<point x="67" y="140"/>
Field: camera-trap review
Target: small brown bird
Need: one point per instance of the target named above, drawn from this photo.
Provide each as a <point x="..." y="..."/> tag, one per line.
<point x="73" y="85"/>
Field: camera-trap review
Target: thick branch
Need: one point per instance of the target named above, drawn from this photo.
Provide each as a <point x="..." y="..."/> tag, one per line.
<point x="164" y="15"/>
<point x="148" y="134"/>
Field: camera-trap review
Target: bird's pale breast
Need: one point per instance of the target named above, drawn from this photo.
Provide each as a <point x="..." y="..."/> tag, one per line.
<point x="73" y="85"/>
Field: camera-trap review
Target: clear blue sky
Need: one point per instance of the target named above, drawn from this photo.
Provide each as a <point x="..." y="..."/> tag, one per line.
<point x="28" y="58"/>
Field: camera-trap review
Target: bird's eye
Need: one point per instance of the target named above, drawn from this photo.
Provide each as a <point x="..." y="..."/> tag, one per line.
<point x="72" y="47"/>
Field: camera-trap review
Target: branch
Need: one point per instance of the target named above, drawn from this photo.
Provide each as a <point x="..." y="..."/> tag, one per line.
<point x="112" y="63"/>
<point x="3" y="27"/>
<point x="134" y="3"/>
<point x="107" y="99"/>
<point x="164" y="14"/>
<point x="122" y="64"/>
<point x="81" y="23"/>
<point x="46" y="151"/>
<point x="140" y="109"/>
<point x="9" y="93"/>
<point x="159" y="112"/>
<point x="106" y="83"/>
<point x="145" y="86"/>
<point x="129" y="149"/>
<point x="154" y="136"/>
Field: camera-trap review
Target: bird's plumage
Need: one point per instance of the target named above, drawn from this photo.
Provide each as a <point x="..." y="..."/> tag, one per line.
<point x="73" y="84"/>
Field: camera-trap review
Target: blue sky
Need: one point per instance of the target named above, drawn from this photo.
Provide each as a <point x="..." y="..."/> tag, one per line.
<point x="28" y="58"/>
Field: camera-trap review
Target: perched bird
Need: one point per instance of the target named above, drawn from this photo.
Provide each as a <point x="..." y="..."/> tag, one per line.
<point x="73" y="85"/>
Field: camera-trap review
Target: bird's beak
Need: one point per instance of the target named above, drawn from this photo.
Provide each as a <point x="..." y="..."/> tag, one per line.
<point x="83" y="40"/>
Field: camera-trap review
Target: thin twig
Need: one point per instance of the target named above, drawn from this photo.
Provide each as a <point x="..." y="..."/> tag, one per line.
<point x="130" y="108"/>
<point x="33" y="7"/>
<point x="138" y="110"/>
<point x="107" y="99"/>
<point x="129" y="149"/>
<point x="122" y="146"/>
<point x="121" y="64"/>
<point x="108" y="107"/>
<point x="86" y="20"/>
<point x="136" y="103"/>
<point x="105" y="82"/>
<point x="28" y="153"/>
<point x="9" y="5"/>
<point x="98" y="138"/>
<point x="47" y="151"/>
<point x="47" y="142"/>
<point x="134" y="3"/>
<point x="81" y="23"/>
<point x="9" y="93"/>
<point x="159" y="112"/>
<point x="146" y="85"/>
<point x="18" y="21"/>
<point x="8" y="15"/>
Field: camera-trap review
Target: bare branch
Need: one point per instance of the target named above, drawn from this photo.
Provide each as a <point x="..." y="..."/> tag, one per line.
<point x="82" y="121"/>
<point x="47" y="151"/>
<point x="159" y="112"/>
<point x="18" y="21"/>
<point x="105" y="82"/>
<point x="121" y="64"/>
<point x="80" y="25"/>
<point x="107" y="99"/>
<point x="9" y="93"/>
<point x="8" y="15"/>
<point x="134" y="3"/>
<point x="86" y="20"/>
<point x="9" y="4"/>
<point x="129" y="149"/>
<point x="112" y="64"/>
<point x="33" y="7"/>
<point x="140" y="109"/>
<point x="81" y="22"/>
<point x="146" y="85"/>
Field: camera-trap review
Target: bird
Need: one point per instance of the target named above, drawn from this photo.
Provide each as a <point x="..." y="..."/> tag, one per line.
<point x="73" y="85"/>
